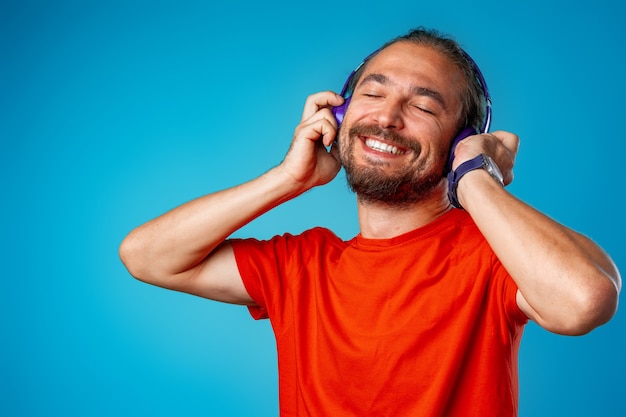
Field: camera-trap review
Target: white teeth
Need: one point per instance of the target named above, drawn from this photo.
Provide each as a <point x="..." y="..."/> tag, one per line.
<point x="382" y="147"/>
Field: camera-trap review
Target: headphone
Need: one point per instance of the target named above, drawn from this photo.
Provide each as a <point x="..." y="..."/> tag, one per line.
<point x="347" y="90"/>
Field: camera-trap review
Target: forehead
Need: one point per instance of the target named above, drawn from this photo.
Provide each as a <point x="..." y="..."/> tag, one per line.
<point x="418" y="64"/>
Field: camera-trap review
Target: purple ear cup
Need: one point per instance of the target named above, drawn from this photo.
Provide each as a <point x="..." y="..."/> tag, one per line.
<point x="465" y="132"/>
<point x="340" y="111"/>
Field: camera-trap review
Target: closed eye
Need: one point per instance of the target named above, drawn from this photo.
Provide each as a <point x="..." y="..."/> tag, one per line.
<point x="424" y="109"/>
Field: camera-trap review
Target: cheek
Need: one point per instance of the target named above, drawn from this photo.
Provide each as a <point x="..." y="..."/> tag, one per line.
<point x="429" y="135"/>
<point x="439" y="159"/>
<point x="342" y="135"/>
<point x="358" y="111"/>
<point x="343" y="143"/>
<point x="435" y="148"/>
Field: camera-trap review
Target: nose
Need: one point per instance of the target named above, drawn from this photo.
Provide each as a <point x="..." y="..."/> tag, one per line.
<point x="389" y="114"/>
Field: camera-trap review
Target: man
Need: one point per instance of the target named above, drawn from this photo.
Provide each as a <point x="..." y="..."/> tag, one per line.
<point x="421" y="314"/>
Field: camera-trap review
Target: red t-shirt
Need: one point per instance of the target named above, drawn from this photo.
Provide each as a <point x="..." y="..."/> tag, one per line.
<point x="423" y="324"/>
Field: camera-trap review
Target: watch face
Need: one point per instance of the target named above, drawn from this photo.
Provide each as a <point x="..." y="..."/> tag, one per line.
<point x="493" y="169"/>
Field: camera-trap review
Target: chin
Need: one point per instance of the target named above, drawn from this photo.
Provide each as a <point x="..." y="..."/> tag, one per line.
<point x="372" y="186"/>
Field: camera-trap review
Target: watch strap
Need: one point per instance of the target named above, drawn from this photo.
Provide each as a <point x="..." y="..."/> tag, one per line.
<point x="454" y="177"/>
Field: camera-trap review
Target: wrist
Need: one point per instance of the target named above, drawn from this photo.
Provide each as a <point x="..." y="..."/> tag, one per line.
<point x="481" y="162"/>
<point x="288" y="184"/>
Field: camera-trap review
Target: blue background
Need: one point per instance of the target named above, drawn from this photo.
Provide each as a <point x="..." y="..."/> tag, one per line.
<point x="114" y="112"/>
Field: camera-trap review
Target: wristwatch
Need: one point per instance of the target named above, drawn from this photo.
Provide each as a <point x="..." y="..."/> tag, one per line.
<point x="481" y="161"/>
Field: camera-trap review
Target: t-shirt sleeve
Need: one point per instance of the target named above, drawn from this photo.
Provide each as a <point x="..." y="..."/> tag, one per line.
<point x="509" y="289"/>
<point x="267" y="269"/>
<point x="271" y="269"/>
<point x="252" y="260"/>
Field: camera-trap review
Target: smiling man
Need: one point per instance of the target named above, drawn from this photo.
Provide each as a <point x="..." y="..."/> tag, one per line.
<point x="421" y="313"/>
<point x="382" y="153"/>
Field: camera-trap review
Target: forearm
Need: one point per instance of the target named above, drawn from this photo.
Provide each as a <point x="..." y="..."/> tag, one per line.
<point x="182" y="238"/>
<point x="175" y="247"/>
<point x="566" y="282"/>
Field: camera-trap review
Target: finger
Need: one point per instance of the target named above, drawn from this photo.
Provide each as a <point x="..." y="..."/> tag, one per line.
<point x="325" y="132"/>
<point x="317" y="101"/>
<point x="507" y="151"/>
<point x="472" y="146"/>
<point x="509" y="140"/>
<point x="334" y="152"/>
<point x="322" y="113"/>
<point x="320" y="128"/>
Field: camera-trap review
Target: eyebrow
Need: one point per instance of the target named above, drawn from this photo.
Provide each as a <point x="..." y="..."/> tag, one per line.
<point x="418" y="91"/>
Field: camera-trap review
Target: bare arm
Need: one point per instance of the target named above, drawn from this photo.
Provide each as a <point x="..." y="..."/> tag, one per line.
<point x="567" y="284"/>
<point x="186" y="249"/>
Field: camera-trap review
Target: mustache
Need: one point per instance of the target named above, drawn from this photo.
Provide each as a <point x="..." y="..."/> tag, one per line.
<point x="387" y="134"/>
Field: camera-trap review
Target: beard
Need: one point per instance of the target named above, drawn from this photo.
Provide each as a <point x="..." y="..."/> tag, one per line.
<point x="371" y="184"/>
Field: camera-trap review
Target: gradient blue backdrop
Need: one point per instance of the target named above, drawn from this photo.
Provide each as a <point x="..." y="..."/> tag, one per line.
<point x="114" y="112"/>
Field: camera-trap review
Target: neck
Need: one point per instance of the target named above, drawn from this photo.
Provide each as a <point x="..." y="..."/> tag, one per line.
<point x="382" y="221"/>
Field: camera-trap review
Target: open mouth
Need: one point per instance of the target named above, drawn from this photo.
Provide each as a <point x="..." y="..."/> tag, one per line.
<point x="384" y="147"/>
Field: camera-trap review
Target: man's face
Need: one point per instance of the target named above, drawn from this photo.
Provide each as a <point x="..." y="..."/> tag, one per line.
<point x="396" y="134"/>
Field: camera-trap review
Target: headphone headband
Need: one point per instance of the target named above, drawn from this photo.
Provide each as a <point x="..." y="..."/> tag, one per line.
<point x="483" y="84"/>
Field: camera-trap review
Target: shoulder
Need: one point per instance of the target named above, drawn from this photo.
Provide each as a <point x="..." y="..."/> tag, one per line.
<point x="464" y="239"/>
<point x="458" y="226"/>
<point x="315" y="237"/>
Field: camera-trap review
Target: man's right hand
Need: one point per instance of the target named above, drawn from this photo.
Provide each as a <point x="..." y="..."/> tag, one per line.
<point x="308" y="161"/>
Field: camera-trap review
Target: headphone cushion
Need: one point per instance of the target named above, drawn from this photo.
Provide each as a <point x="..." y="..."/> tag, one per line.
<point x="340" y="111"/>
<point x="465" y="132"/>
